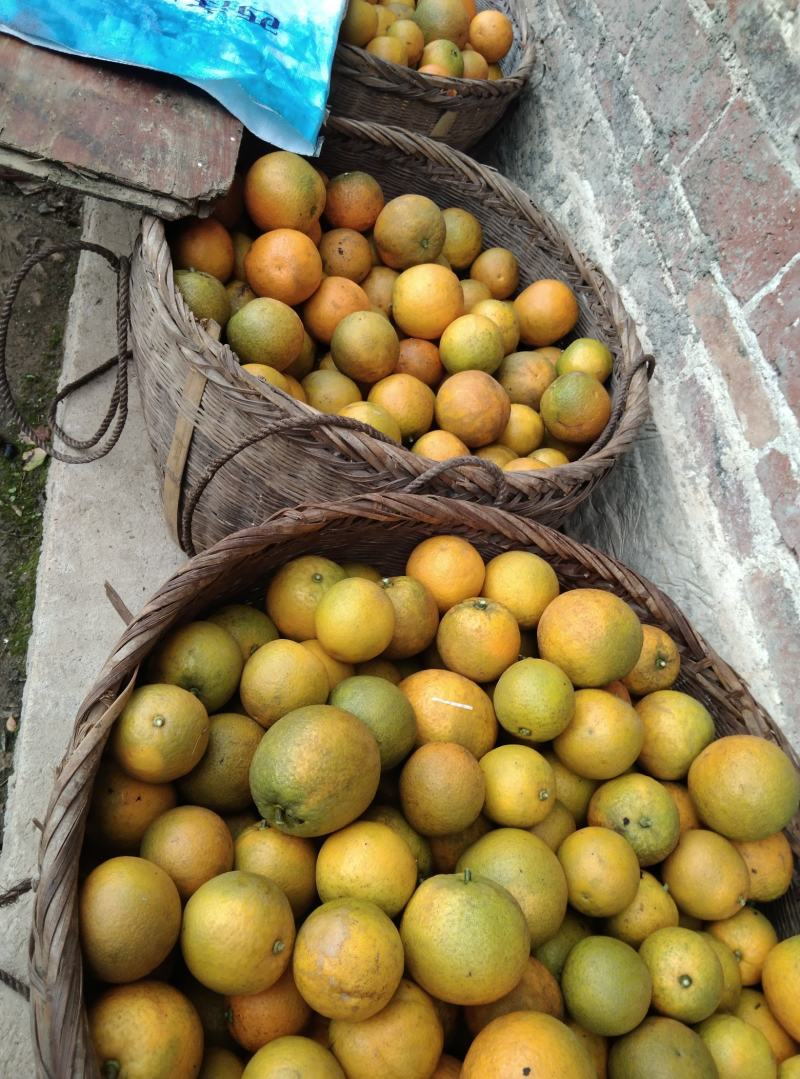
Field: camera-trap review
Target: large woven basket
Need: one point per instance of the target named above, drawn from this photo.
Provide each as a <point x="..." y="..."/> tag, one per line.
<point x="232" y="450"/>
<point x="377" y="529"/>
<point x="456" y="111"/>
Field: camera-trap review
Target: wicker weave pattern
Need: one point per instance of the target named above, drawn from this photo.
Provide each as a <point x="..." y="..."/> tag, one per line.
<point x="457" y="111"/>
<point x="376" y="529"/>
<point x="317" y="458"/>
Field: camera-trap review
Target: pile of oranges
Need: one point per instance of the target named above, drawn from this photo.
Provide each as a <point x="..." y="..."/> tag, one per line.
<point x="455" y="822"/>
<point x="369" y="318"/>
<point x="438" y="37"/>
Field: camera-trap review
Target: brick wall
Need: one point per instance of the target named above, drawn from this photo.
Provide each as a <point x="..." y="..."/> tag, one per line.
<point x="663" y="135"/>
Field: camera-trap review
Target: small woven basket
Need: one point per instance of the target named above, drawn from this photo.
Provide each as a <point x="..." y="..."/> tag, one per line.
<point x="458" y="112"/>
<point x="232" y="450"/>
<point x="381" y="530"/>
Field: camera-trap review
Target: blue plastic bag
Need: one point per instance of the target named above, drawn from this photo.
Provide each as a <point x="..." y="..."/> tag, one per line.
<point x="269" y="65"/>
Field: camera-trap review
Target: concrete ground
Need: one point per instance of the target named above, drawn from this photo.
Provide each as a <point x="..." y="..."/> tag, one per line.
<point x="103" y="522"/>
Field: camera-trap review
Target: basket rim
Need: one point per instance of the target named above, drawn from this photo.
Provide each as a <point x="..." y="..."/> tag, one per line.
<point x="54" y="919"/>
<point x="225" y="370"/>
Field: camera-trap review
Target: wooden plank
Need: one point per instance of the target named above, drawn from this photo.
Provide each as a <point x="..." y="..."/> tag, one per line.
<point x="134" y="136"/>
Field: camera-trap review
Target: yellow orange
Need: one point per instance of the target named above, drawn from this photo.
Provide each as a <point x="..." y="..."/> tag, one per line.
<point x="478" y="638"/>
<point x="281" y="190"/>
<point x="426" y="299"/>
<point x="450" y="567"/>
<point x="547" y="310"/>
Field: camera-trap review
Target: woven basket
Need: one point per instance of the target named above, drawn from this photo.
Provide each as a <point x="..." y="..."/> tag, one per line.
<point x="456" y="111"/>
<point x="379" y="529"/>
<point x="232" y="450"/>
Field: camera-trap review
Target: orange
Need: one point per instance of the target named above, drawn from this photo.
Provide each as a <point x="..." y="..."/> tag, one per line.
<point x="221" y="780"/>
<point x="287" y="860"/>
<point x="473" y="292"/>
<point x="687" y="814"/>
<point x="296" y="589"/>
<point x="606" y="986"/>
<point x="744" y="787"/>
<point x="354" y="200"/>
<point x="602" y="872"/>
<point x="755" y="1010"/>
<point x="549" y="457"/>
<point x="375" y="416"/>
<point x="523" y="464"/>
<point x="325" y="309"/>
<point x="450" y="567"/>
<point x="537" y="991"/>
<point x="284" y="264"/>
<point x="420" y="847"/>
<point x="443" y="18"/>
<point x="789" y="1069"/>
<point x="662" y="1047"/>
<point x="354" y="620"/>
<point x="520" y="788"/>
<point x="495" y="72"/>
<point x="408" y="231"/>
<point x="444" y="55"/>
<point x="503" y="315"/>
<point x="384" y="710"/>
<point x="267" y="374"/>
<point x="161" y="733"/>
<point x="203" y="244"/>
<point x="360" y="23"/>
<point x="475" y="67"/>
<point x="219" y="1063"/>
<point x="658" y="664"/>
<point x="123" y="807"/>
<point x="618" y="689"/>
<point x="330" y="391"/>
<point x="249" y="627"/>
<point x="571" y="450"/>
<point x="731" y="978"/>
<point x="573" y="790"/>
<point x="529" y="871"/>
<point x="304" y="362"/>
<point x="575" y="408"/>
<point x="498" y="269"/>
<point x="478" y="638"/>
<point x="463" y="237"/>
<point x="465" y="939"/>
<point x="404" y="1039"/>
<point x="604" y="737"/>
<point x="380" y="668"/>
<point x="266" y="331"/>
<point x="379" y="286"/>
<point x="146" y="1031"/>
<point x="470" y="8"/>
<point x="191" y="845"/>
<point x="592" y="635"/>
<point x="426" y="299"/>
<point x="348" y="959"/>
<point x="595" y="1045"/>
<point x="639" y="808"/>
<point x="200" y="657"/>
<point x="236" y="823"/>
<point x="751" y="937"/>
<point x="281" y="190"/>
<point x="523" y="582"/>
<point x="315" y="770"/>
<point x="409" y="401"/>
<point x="433" y="69"/>
<point x="471" y="343"/>
<point x="241" y="245"/>
<point x="442" y="788"/>
<point x="206" y="297"/>
<point x="416" y="616"/>
<point x="365" y="347"/>
<point x="496" y="453"/>
<point x="439" y="446"/>
<point x="129" y="913"/>
<point x="447" y="849"/>
<point x="525" y="376"/>
<point x="451" y="708"/>
<point x="367" y="860"/>
<point x="706" y="876"/>
<point x="526" y="1039"/>
<point x="392" y="49"/>
<point x="524" y="431"/>
<point x="259" y="1018"/>
<point x="547" y="310"/>
<point x="556" y="826"/>
<point x="553" y="952"/>
<point x="652" y="908"/>
<point x="472" y="406"/>
<point x="280" y="677"/>
<point x="407" y="31"/>
<point x="285" y="1055"/>
<point x="587" y="355"/>
<point x="491" y="34"/>
<point x="345" y="253"/>
<point x="769" y="862"/>
<point x="230" y="208"/>
<point x="737" y="1048"/>
<point x="687" y="976"/>
<point x="676" y="728"/>
<point x="420" y="359"/>
<point x="295" y="389"/>
<point x="237" y="934"/>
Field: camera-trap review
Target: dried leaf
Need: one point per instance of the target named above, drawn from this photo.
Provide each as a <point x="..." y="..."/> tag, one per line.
<point x="11" y="724"/>
<point x="33" y="459"/>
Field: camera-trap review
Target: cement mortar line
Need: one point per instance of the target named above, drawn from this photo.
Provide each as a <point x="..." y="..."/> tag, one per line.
<point x="771" y="285"/>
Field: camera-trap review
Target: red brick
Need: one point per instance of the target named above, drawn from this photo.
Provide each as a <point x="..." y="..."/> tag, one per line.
<point x="626" y="20"/>
<point x="661" y="208"/>
<point x="773" y="69"/>
<point x="744" y="201"/>
<point x="783" y="491"/>
<point x="730" y="356"/>
<point x="776" y="323"/>
<point x="679" y="77"/>
<point x="776" y="614"/>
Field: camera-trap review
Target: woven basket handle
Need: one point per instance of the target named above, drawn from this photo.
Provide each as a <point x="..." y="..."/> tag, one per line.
<point x="117" y="412"/>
